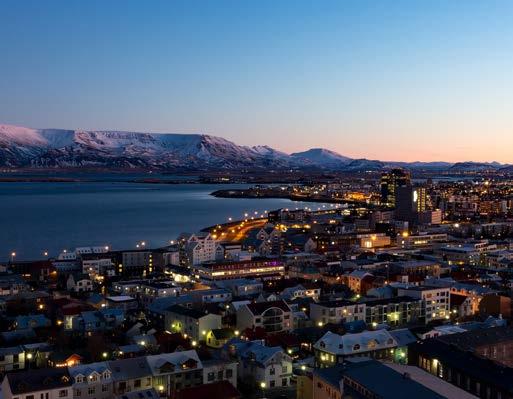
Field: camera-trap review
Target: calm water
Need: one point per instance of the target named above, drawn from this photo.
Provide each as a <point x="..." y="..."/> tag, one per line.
<point x="38" y="217"/>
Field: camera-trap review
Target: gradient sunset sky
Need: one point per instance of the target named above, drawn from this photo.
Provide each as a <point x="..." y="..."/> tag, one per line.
<point x="389" y="80"/>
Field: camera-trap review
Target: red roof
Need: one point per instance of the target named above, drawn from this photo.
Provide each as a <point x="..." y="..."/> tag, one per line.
<point x="216" y="390"/>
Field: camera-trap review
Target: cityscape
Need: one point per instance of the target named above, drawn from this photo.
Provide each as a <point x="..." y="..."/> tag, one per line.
<point x="266" y="200"/>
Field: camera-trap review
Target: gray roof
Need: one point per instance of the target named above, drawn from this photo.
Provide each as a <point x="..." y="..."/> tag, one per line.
<point x="127" y="369"/>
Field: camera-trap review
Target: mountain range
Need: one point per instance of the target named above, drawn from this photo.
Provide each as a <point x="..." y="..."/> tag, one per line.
<point x="22" y="147"/>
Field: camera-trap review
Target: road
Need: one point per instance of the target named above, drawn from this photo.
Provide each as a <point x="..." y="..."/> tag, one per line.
<point x="236" y="231"/>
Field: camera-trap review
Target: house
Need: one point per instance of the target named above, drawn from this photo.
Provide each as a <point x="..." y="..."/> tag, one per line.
<point x="242" y="286"/>
<point x="79" y="282"/>
<point x="218" y="337"/>
<point x="461" y="305"/>
<point x="97" y="320"/>
<point x="261" y="365"/>
<point x="218" y="370"/>
<point x="354" y="280"/>
<point x="301" y="291"/>
<point x="124" y="302"/>
<point x="171" y="372"/>
<point x="31" y="321"/>
<point x="195" y="323"/>
<point x="213" y="295"/>
<point x="64" y="359"/>
<point x="133" y="374"/>
<point x="272" y="316"/>
<point x="35" y="384"/>
<point x="153" y="290"/>
<point x="92" y="380"/>
<point x="12" y="358"/>
<point x="333" y="348"/>
<point x="11" y="284"/>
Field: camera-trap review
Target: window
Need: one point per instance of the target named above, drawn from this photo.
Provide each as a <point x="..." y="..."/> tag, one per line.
<point x="137" y="383"/>
<point x="284" y="382"/>
<point x="272" y="384"/>
<point x="220" y="375"/>
<point x="284" y="369"/>
<point x="272" y="372"/>
<point x="229" y="373"/>
<point x="78" y="392"/>
<point x="63" y="393"/>
<point x="105" y="388"/>
<point x="16" y="358"/>
<point x="211" y="376"/>
<point x="91" y="390"/>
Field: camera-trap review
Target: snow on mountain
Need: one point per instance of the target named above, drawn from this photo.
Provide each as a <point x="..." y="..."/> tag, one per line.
<point x="23" y="147"/>
<point x="321" y="156"/>
<point x="26" y="147"/>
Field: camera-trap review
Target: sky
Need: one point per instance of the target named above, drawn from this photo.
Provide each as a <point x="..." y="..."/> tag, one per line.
<point x="389" y="80"/>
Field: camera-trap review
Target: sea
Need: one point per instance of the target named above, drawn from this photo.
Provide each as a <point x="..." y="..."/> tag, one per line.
<point x="50" y="217"/>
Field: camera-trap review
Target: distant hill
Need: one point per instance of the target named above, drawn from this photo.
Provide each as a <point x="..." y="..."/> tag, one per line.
<point x="60" y="148"/>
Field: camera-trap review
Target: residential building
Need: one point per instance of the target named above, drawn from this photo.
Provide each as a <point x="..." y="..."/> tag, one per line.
<point x="34" y="384"/>
<point x="333" y="348"/>
<point x="336" y="312"/>
<point x="193" y="322"/>
<point x="272" y="316"/>
<point x="436" y="300"/>
<point x="92" y="380"/>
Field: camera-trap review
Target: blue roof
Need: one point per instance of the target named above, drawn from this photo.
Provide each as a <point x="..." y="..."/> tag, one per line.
<point x="385" y="382"/>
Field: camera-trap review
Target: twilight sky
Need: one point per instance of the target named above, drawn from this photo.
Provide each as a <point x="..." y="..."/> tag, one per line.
<point x="391" y="80"/>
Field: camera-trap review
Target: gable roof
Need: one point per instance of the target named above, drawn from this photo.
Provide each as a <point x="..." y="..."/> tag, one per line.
<point x="257" y="308"/>
<point x="38" y="380"/>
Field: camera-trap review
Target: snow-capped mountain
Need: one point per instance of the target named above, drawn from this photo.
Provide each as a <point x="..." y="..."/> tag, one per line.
<point x="23" y="147"/>
<point x="59" y="148"/>
<point x="321" y="156"/>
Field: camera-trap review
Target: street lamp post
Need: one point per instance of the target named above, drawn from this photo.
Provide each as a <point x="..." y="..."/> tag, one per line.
<point x="262" y="387"/>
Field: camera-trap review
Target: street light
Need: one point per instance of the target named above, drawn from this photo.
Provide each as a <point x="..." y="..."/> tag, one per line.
<point x="262" y="387"/>
<point x="13" y="254"/>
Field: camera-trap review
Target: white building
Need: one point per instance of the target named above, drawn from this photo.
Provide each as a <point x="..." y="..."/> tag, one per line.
<point x="436" y="300"/>
<point x="200" y="249"/>
<point x="333" y="348"/>
<point x="263" y="366"/>
<point x="272" y="316"/>
<point x="92" y="381"/>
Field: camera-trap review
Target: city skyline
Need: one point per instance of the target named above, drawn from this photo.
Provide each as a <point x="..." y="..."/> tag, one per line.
<point x="394" y="82"/>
